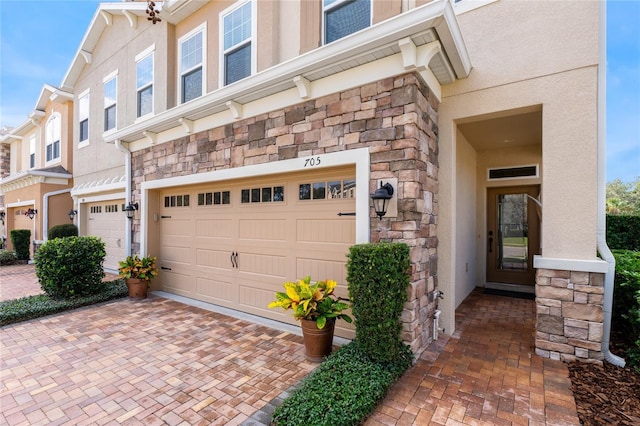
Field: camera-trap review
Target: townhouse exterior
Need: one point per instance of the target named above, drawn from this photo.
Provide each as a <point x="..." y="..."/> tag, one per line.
<point x="246" y="137"/>
<point x="37" y="167"/>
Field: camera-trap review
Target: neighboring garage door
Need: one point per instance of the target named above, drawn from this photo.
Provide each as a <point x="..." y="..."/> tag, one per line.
<point x="106" y="220"/>
<point x="235" y="243"/>
<point x="22" y="221"/>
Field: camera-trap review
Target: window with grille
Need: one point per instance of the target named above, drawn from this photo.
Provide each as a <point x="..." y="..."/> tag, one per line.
<point x="191" y="65"/>
<point x="83" y="114"/>
<point x="237" y="41"/>
<point x="144" y="85"/>
<point x="344" y="17"/>
<point x="110" y="90"/>
<point x="53" y="135"/>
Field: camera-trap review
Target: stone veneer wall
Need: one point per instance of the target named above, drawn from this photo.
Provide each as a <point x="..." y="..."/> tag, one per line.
<point x="396" y="118"/>
<point x="570" y="315"/>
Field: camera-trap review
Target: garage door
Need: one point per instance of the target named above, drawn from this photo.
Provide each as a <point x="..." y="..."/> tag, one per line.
<point x="106" y="220"/>
<point x="235" y="243"/>
<point x="22" y="221"/>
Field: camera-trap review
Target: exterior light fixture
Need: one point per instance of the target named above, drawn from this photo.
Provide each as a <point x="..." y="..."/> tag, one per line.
<point x="380" y="198"/>
<point x="31" y="213"/>
<point x="72" y="213"/>
<point x="130" y="210"/>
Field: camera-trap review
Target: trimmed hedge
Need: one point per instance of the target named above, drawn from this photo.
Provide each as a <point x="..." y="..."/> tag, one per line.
<point x="12" y="311"/>
<point x="343" y="390"/>
<point x="20" y="239"/>
<point x="71" y="266"/>
<point x="62" y="231"/>
<point x="623" y="232"/>
<point x="378" y="277"/>
<point x="626" y="300"/>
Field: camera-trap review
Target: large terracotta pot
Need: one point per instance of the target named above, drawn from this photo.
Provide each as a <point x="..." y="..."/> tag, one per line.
<point x="317" y="342"/>
<point x="137" y="288"/>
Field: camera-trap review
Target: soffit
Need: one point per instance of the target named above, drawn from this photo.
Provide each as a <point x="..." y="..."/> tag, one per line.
<point x="517" y="129"/>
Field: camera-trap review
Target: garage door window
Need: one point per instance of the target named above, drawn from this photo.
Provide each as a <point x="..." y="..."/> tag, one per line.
<point x="111" y="208"/>
<point x="214" y="198"/>
<point x="177" y="201"/>
<point x="327" y="190"/>
<point x="267" y="194"/>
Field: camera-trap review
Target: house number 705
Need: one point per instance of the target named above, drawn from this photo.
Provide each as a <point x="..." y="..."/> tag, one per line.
<point x="313" y="161"/>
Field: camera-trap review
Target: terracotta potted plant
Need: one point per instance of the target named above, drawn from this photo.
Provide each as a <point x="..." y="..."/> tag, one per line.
<point x="138" y="273"/>
<point x="317" y="308"/>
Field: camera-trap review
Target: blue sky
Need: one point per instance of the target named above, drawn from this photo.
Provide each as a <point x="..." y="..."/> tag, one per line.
<point x="38" y="40"/>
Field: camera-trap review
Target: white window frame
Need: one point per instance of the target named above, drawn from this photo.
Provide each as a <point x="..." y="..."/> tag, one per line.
<point x="150" y="51"/>
<point x="335" y="5"/>
<point x="203" y="60"/>
<point x="107" y="79"/>
<point x="50" y="137"/>
<point x="83" y="99"/>
<point x="252" y="40"/>
<point x="32" y="151"/>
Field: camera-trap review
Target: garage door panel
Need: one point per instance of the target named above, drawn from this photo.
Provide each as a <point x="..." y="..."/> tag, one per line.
<point x="214" y="228"/>
<point x="176" y="227"/>
<point x="216" y="290"/>
<point x="256" y="299"/>
<point x="325" y="230"/>
<point x="176" y="255"/>
<point x="217" y="259"/>
<point x="178" y="283"/>
<point x="270" y="266"/>
<point x="262" y="229"/>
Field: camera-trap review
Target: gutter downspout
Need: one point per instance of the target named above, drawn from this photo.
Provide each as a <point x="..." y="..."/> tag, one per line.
<point x="127" y="165"/>
<point x="603" y="249"/>
<point x="45" y="207"/>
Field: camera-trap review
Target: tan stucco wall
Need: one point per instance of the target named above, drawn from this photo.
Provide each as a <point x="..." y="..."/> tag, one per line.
<point x="522" y="56"/>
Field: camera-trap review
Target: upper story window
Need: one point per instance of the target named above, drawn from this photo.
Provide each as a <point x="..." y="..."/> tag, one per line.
<point x="344" y="17"/>
<point x="83" y="116"/>
<point x="144" y="85"/>
<point x="110" y="91"/>
<point x="32" y="151"/>
<point x="237" y="42"/>
<point x="191" y="48"/>
<point x="53" y="134"/>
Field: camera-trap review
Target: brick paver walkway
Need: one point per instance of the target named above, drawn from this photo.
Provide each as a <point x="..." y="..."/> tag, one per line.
<point x="159" y="361"/>
<point x="487" y="374"/>
<point x="152" y="362"/>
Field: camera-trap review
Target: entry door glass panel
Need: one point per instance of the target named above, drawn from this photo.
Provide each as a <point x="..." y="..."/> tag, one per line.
<point x="512" y="240"/>
<point x="513" y="229"/>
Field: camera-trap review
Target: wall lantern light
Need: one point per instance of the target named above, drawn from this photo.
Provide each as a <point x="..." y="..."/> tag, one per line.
<point x="130" y="210"/>
<point x="380" y="198"/>
<point x="31" y="213"/>
<point x="72" y="213"/>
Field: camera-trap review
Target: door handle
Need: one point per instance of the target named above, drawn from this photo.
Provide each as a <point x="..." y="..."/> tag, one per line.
<point x="234" y="259"/>
<point x="490" y="248"/>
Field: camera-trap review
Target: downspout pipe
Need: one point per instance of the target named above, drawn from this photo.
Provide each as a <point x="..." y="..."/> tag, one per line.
<point x="127" y="165"/>
<point x="45" y="207"/>
<point x="603" y="249"/>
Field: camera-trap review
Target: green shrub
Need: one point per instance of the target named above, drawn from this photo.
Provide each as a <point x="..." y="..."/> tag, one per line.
<point x="8" y="257"/>
<point x="626" y="300"/>
<point x="20" y="238"/>
<point x="378" y="277"/>
<point x="30" y="307"/>
<point x="72" y="266"/>
<point x="343" y="390"/>
<point x="62" y="231"/>
<point x="623" y="232"/>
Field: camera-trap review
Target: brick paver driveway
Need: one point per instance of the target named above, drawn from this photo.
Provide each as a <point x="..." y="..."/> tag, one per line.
<point x="156" y="361"/>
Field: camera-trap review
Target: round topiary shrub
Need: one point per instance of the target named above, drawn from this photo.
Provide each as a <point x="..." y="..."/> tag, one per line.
<point x="68" y="267"/>
<point x="7" y="257"/>
<point x="63" y="231"/>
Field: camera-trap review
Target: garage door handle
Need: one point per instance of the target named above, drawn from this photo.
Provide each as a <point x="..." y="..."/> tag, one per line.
<point x="165" y="268"/>
<point x="346" y="214"/>
<point x="234" y="259"/>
